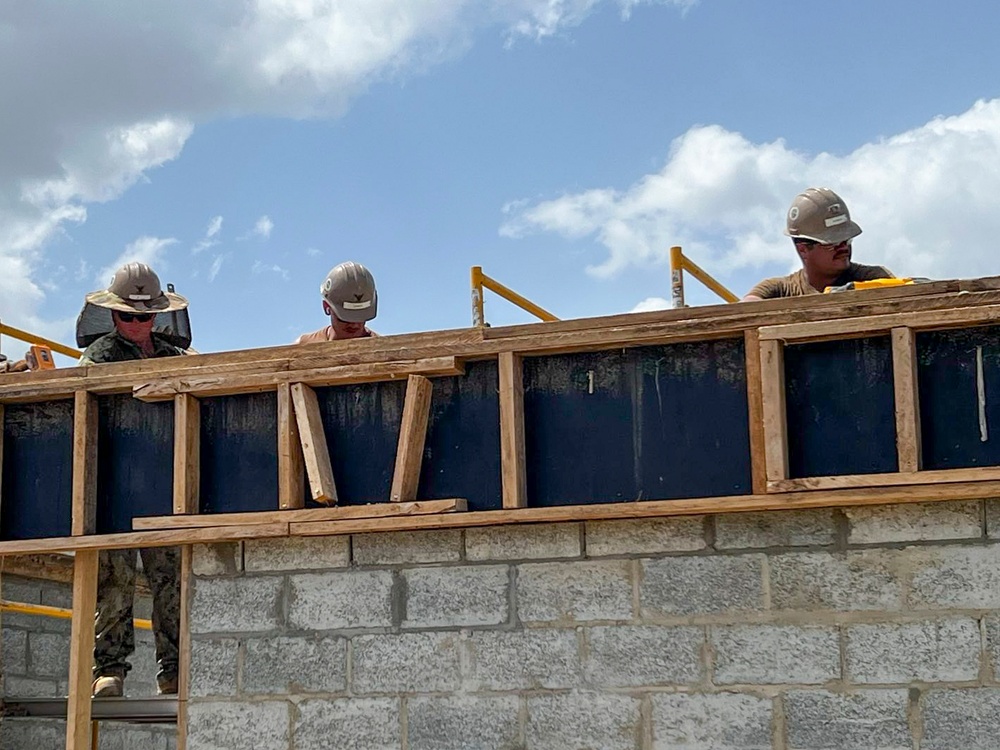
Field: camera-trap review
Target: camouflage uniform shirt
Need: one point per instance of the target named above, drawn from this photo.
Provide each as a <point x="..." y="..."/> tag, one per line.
<point x="113" y="347"/>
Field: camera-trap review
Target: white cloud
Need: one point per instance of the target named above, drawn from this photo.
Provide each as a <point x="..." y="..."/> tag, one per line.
<point x="216" y="266"/>
<point x="87" y="126"/>
<point x="263" y="227"/>
<point x="650" y="304"/>
<point x="213" y="227"/>
<point x="261" y="267"/>
<point x="148" y="250"/>
<point x="312" y="252"/>
<point x="926" y="199"/>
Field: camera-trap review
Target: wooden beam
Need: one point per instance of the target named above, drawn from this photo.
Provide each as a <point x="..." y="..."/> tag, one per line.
<point x="882" y="324"/>
<point x="412" y="436"/>
<point x="904" y="375"/>
<point x="84" y="464"/>
<point x="166" y="538"/>
<point x="187" y="454"/>
<point x="2" y="428"/>
<point x="936" y="476"/>
<point x="659" y="508"/>
<point x="755" y="404"/>
<point x="81" y="651"/>
<point x="341" y="513"/>
<point x="772" y="372"/>
<point x="513" y="469"/>
<point x="291" y="466"/>
<point x="314" y="448"/>
<point x="184" y="649"/>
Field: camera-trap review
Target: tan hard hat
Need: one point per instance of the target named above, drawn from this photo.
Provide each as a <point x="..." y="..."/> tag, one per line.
<point x="821" y="215"/>
<point x="350" y="290"/>
<point x="135" y="287"/>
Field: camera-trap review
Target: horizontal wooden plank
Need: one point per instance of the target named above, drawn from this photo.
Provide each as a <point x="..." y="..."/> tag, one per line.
<point x="937" y="476"/>
<point x="881" y="324"/>
<point x="347" y="512"/>
<point x="165" y="538"/>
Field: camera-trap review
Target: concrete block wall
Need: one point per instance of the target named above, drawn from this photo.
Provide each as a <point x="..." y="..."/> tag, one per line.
<point x="34" y="663"/>
<point x="870" y="627"/>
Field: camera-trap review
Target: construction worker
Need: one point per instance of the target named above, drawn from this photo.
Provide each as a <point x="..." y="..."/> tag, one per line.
<point x="822" y="231"/>
<point x="134" y="300"/>
<point x="350" y="300"/>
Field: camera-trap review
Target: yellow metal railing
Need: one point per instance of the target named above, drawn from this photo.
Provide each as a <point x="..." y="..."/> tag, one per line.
<point x="58" y="612"/>
<point x="31" y="338"/>
<point x="679" y="263"/>
<point x="481" y="281"/>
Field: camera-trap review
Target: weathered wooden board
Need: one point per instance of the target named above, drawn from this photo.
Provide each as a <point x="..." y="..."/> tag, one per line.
<point x="952" y="432"/>
<point x="135" y="467"/>
<point x="651" y="422"/>
<point x="239" y="453"/>
<point x="840" y="407"/>
<point x="37" y="479"/>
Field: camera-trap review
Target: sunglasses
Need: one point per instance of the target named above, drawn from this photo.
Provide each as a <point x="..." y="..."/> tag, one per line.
<point x="814" y="243"/>
<point x="127" y="317"/>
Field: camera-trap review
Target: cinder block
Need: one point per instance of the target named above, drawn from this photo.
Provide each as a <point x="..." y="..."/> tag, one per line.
<point x="222" y="559"/>
<point x="645" y="536"/>
<point x="643" y="656"/>
<point x="675" y="586"/>
<point x="582" y="720"/>
<point x="294" y="665"/>
<point x="457" y="597"/>
<point x="25" y="734"/>
<point x="30" y="687"/>
<point x="961" y="719"/>
<point x="408" y="547"/>
<point x="862" y="580"/>
<point x="226" y="725"/>
<point x="786" y="528"/>
<point x="941" y="651"/>
<point x="818" y="720"/>
<point x="914" y="522"/>
<point x="22" y="590"/>
<point x="348" y="724"/>
<point x="775" y="654"/>
<point x="574" y="591"/>
<point x="955" y="577"/>
<point x="720" y="721"/>
<point x="48" y="655"/>
<point x="526" y="542"/>
<point x="142" y="679"/>
<point x="213" y="667"/>
<point x="465" y="722"/>
<point x="992" y="518"/>
<point x="340" y="599"/>
<point x="297" y="553"/>
<point x="15" y="652"/>
<point x="55" y="594"/>
<point x="407" y="663"/>
<point x="523" y="660"/>
<point x="235" y="605"/>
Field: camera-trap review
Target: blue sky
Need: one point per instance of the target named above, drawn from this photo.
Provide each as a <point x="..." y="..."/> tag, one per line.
<point x="564" y="145"/>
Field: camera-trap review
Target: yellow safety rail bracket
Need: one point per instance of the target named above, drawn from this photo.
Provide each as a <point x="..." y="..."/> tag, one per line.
<point x="43" y="610"/>
<point x="679" y="263"/>
<point x="31" y="338"/>
<point x="481" y="281"/>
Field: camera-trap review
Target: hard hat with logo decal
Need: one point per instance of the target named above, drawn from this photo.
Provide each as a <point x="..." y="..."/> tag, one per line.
<point x="135" y="287"/>
<point x="819" y="214"/>
<point x="350" y="290"/>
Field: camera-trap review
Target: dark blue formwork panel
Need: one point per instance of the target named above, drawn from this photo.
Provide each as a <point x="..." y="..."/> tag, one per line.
<point x="239" y="453"/>
<point x="949" y="397"/>
<point x="37" y="482"/>
<point x="648" y="423"/>
<point x="841" y="408"/>
<point x="135" y="461"/>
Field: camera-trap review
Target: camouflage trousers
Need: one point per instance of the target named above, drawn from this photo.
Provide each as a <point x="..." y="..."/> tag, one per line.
<point x="114" y="634"/>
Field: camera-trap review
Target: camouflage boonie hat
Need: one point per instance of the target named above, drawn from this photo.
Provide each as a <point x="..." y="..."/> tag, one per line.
<point x="136" y="288"/>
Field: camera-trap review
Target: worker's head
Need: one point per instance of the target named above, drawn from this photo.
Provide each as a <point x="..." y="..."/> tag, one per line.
<point x="349" y="298"/>
<point x="137" y="327"/>
<point x="821" y="228"/>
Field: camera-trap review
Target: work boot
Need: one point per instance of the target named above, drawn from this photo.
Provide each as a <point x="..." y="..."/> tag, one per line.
<point x="109" y="686"/>
<point x="166" y="685"/>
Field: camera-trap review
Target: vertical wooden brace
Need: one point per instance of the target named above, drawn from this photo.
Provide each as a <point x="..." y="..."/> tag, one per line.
<point x="904" y="376"/>
<point x="187" y="453"/>
<point x="184" y="649"/>
<point x="772" y="373"/>
<point x="81" y="653"/>
<point x="512" y="455"/>
<point x="291" y="469"/>
<point x="314" y="448"/>
<point x="84" y="464"/>
<point x="755" y="402"/>
<point x="412" y="436"/>
<point x="2" y="423"/>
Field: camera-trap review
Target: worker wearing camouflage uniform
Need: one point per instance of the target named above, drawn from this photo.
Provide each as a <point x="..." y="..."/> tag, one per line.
<point x="134" y="300"/>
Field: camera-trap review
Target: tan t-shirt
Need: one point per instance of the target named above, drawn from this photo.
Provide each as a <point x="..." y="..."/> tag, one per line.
<point x="328" y="334"/>
<point x="797" y="285"/>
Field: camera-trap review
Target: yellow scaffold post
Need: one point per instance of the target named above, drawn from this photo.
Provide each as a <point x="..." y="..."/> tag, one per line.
<point x="679" y="263"/>
<point x="481" y="281"/>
